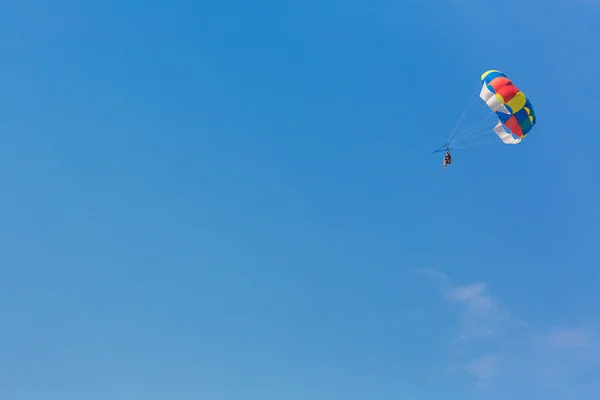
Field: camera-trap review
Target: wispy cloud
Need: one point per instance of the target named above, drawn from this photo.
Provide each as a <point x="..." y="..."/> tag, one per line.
<point x="493" y="341"/>
<point x="481" y="314"/>
<point x="569" y="350"/>
<point x="483" y="368"/>
<point x="568" y="338"/>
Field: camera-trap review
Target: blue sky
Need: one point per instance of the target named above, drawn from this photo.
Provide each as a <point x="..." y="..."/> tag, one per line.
<point x="238" y="200"/>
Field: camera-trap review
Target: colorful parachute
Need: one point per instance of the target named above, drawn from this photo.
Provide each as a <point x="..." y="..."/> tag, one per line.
<point x="510" y="104"/>
<point x="511" y="117"/>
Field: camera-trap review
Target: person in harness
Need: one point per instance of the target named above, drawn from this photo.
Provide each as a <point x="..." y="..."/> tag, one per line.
<point x="447" y="158"/>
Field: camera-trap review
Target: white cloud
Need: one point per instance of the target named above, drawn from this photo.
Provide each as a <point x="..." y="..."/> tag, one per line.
<point x="483" y="368"/>
<point x="568" y="351"/>
<point x="488" y="332"/>
<point x="481" y="314"/>
<point x="476" y="298"/>
<point x="568" y="338"/>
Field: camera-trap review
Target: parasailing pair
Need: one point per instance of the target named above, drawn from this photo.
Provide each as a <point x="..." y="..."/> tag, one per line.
<point x="512" y="110"/>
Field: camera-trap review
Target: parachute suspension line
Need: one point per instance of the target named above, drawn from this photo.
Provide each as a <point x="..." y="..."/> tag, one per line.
<point x="463" y="132"/>
<point x="483" y="133"/>
<point x="469" y="131"/>
<point x="467" y="108"/>
<point x="479" y="143"/>
<point x="480" y="139"/>
<point x="464" y="113"/>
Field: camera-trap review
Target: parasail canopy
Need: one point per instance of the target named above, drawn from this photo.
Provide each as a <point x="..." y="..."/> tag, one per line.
<point x="515" y="112"/>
